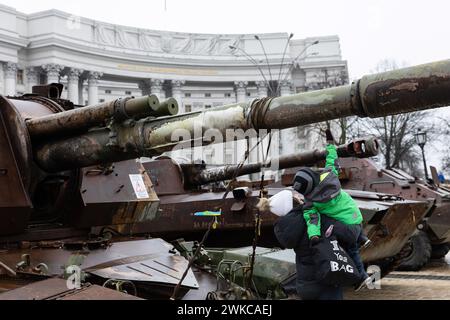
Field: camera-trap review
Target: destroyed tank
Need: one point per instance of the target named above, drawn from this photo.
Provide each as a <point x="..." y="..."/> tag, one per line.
<point x="432" y="239"/>
<point x="64" y="171"/>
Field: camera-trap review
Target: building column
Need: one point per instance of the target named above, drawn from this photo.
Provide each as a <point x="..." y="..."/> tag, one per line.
<point x="81" y="100"/>
<point x="285" y="88"/>
<point x="53" y="70"/>
<point x="32" y="78"/>
<point x="10" y="72"/>
<point x="262" y="89"/>
<point x="144" y="85"/>
<point x="93" y="87"/>
<point x="177" y="93"/>
<point x="156" y="86"/>
<point x="288" y="137"/>
<point x="73" y="79"/>
<point x="241" y="90"/>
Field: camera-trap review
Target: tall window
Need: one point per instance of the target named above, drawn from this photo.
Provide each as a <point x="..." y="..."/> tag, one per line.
<point x="128" y="92"/>
<point x="42" y="78"/>
<point x="208" y="95"/>
<point x="108" y="91"/>
<point x="227" y="95"/>
<point x="19" y="76"/>
<point x="207" y="106"/>
<point x="187" y="95"/>
<point x="188" y="108"/>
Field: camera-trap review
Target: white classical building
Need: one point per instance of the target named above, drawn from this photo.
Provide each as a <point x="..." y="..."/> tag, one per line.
<point x="98" y="61"/>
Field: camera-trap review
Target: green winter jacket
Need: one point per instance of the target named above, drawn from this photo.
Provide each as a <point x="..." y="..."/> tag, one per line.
<point x="328" y="198"/>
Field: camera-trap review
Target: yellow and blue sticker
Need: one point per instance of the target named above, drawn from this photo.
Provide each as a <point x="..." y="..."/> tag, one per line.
<point x="208" y="213"/>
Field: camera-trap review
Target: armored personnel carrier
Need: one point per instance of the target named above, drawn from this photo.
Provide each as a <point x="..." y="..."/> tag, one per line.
<point x="432" y="239"/>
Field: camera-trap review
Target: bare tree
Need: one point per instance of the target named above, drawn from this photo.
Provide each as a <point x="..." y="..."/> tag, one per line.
<point x="446" y="162"/>
<point x="342" y="126"/>
<point x="396" y="132"/>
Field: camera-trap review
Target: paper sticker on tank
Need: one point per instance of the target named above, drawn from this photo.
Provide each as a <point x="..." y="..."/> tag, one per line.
<point x="139" y="186"/>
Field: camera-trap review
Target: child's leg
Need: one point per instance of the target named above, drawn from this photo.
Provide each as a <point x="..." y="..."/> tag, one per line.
<point x="353" y="249"/>
<point x="353" y="252"/>
<point x="363" y="240"/>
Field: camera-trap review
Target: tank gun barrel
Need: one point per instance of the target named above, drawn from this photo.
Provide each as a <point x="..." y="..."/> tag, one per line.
<point x="393" y="92"/>
<point x="360" y="148"/>
<point x="81" y="119"/>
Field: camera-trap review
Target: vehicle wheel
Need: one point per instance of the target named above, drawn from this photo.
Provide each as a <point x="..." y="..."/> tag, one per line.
<point x="440" y="250"/>
<point x="418" y="252"/>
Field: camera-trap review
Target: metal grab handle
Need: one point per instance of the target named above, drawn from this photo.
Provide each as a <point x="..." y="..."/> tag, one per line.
<point x="382" y="182"/>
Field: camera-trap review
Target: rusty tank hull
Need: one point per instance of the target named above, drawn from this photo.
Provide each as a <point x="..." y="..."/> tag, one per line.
<point x="432" y="238"/>
<point x="364" y="174"/>
<point x="149" y="264"/>
<point x="47" y="217"/>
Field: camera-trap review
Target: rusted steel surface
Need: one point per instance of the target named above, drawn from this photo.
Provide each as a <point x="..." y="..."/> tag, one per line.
<point x="398" y="91"/>
<point x="19" y="139"/>
<point x="95" y="292"/>
<point x="15" y="205"/>
<point x="166" y="175"/>
<point x="176" y="216"/>
<point x="56" y="289"/>
<point x="196" y="175"/>
<point x="147" y="263"/>
<point x="439" y="222"/>
<point x="364" y="174"/>
<point x="391" y="234"/>
<point x="123" y="142"/>
<point x="207" y="283"/>
<point x="81" y="119"/>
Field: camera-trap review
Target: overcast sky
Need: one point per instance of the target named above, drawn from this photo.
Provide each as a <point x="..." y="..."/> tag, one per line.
<point x="408" y="31"/>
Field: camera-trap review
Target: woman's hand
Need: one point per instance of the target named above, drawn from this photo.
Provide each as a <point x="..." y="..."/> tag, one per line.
<point x="297" y="197"/>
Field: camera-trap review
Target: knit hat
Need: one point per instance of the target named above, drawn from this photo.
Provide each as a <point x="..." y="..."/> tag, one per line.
<point x="305" y="181"/>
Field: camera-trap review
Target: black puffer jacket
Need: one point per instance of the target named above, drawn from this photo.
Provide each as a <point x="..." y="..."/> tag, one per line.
<point x="308" y="288"/>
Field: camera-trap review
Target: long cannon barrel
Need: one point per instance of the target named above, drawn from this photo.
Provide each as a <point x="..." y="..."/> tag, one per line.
<point x="196" y="176"/>
<point x="81" y="119"/>
<point x="399" y="91"/>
